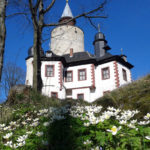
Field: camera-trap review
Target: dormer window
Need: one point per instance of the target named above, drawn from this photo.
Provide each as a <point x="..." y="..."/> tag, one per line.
<point x="105" y="73"/>
<point x="49" y="70"/>
<point x="48" y="54"/>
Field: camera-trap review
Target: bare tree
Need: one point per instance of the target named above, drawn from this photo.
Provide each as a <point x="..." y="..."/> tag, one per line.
<point x="12" y="75"/>
<point x="2" y="33"/>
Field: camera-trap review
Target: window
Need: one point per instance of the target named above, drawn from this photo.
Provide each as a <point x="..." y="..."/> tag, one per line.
<point x="68" y="92"/>
<point x="54" y="94"/>
<point x="80" y="96"/>
<point x="82" y="74"/>
<point x="49" y="71"/>
<point x="124" y="74"/>
<point x="69" y="76"/>
<point x="105" y="73"/>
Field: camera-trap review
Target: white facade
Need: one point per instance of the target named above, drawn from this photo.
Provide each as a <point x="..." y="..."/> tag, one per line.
<point x="93" y="87"/>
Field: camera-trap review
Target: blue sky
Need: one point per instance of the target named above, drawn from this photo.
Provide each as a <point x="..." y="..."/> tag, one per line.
<point x="127" y="27"/>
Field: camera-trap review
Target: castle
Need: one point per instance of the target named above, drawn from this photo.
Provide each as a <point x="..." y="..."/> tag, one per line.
<point x="68" y="71"/>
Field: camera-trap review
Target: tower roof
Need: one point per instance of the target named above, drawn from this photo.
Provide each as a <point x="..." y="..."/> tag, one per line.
<point x="67" y="11"/>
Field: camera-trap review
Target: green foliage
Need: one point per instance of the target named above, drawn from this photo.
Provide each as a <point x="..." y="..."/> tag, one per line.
<point x="70" y="132"/>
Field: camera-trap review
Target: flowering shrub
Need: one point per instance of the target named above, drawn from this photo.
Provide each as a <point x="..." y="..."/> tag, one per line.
<point x="77" y="128"/>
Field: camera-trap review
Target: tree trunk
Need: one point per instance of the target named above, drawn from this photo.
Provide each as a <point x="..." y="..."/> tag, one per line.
<point x="37" y="81"/>
<point x="2" y="33"/>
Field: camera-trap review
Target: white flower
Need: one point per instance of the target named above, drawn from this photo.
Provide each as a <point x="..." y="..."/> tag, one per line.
<point x="87" y="142"/>
<point x="21" y="144"/>
<point x="46" y="124"/>
<point x="9" y="143"/>
<point x="2" y="125"/>
<point x="12" y="123"/>
<point x="114" y="130"/>
<point x="8" y="135"/>
<point x="24" y="123"/>
<point x="86" y="124"/>
<point x="122" y="121"/>
<point x="147" y="137"/>
<point x="29" y="132"/>
<point x="36" y="119"/>
<point x="131" y="126"/>
<point x="133" y="121"/>
<point x="144" y="122"/>
<point x="29" y="119"/>
<point x="22" y="138"/>
<point x="7" y="128"/>
<point x="147" y="116"/>
<point x="39" y="133"/>
<point x="34" y="124"/>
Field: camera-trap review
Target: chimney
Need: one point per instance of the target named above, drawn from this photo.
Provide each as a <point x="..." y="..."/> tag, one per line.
<point x="71" y="52"/>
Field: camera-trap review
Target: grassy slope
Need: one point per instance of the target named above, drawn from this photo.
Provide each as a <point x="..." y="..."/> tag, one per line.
<point x="135" y="95"/>
<point x="132" y="96"/>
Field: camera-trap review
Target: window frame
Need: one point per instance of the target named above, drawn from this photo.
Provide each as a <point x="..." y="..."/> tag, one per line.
<point x="79" y="74"/>
<point x="124" y="74"/>
<point x="54" y="93"/>
<point x="102" y="70"/>
<point x="46" y="66"/>
<point x="79" y="95"/>
<point x="71" y="76"/>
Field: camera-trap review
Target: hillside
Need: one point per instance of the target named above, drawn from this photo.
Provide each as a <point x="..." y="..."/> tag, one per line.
<point x="132" y="96"/>
<point x="119" y="120"/>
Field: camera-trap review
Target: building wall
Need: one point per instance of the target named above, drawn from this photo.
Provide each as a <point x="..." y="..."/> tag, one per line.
<point x="65" y="37"/>
<point x="128" y="72"/>
<point x="29" y="72"/>
<point x="53" y="84"/>
<point x="100" y="84"/>
<point x="76" y="83"/>
<point x="93" y="87"/>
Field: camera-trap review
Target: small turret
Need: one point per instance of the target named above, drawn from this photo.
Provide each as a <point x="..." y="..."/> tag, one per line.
<point x="100" y="45"/>
<point x="67" y="15"/>
<point x="31" y="52"/>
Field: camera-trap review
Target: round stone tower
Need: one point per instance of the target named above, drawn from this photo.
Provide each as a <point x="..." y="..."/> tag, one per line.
<point x="67" y="36"/>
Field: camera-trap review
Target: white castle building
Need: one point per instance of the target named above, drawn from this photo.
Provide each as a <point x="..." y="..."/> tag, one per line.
<point x="68" y="71"/>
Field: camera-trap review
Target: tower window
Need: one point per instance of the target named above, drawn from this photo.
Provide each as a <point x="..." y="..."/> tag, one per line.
<point x="49" y="70"/>
<point x="105" y="73"/>
<point x="69" y="76"/>
<point x="82" y="74"/>
<point x="124" y="74"/>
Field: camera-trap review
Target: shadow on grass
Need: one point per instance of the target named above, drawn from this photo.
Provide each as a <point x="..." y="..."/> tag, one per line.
<point x="65" y="135"/>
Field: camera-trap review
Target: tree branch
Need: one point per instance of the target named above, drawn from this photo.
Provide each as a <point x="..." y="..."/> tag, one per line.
<point x="15" y="14"/>
<point x="37" y="5"/>
<point x="81" y="15"/>
<point x="92" y="23"/>
<point x="96" y="16"/>
<point x="49" y="7"/>
<point x="33" y="13"/>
